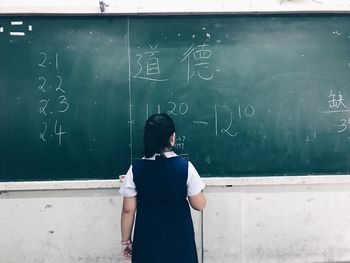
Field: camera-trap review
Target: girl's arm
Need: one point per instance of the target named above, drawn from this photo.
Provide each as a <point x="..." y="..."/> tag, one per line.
<point x="127" y="217"/>
<point x="198" y="201"/>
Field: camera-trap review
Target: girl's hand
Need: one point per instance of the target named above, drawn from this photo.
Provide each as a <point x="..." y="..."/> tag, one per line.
<point x="126" y="249"/>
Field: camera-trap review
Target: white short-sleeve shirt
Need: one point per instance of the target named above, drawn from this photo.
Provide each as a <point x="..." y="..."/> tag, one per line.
<point x="194" y="182"/>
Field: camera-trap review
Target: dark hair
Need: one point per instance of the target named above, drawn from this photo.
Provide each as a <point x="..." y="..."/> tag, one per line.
<point x="157" y="132"/>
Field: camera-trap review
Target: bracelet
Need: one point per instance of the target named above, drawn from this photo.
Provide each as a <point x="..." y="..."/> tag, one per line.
<point x="125" y="242"/>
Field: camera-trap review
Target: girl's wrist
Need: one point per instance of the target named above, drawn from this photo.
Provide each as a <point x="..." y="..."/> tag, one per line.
<point x="125" y="242"/>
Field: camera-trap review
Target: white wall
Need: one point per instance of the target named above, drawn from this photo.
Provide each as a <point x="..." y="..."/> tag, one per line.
<point x="244" y="223"/>
<point x="63" y="226"/>
<point x="180" y="6"/>
<point x="267" y="224"/>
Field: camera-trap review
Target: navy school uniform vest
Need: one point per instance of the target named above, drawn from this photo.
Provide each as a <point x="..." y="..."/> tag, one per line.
<point x="163" y="228"/>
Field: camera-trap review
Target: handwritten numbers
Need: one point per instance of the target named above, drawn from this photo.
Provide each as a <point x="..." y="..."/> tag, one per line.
<point x="175" y="110"/>
<point x="344" y="125"/>
<point x="43" y="104"/>
<point x="44" y="63"/>
<point x="183" y="108"/>
<point x="227" y="115"/>
<point x="42" y="134"/>
<point x="248" y="110"/>
<point x="41" y="87"/>
<point x="58" y="131"/>
<point x="64" y="102"/>
<point x="60" y="84"/>
<point x="44" y="58"/>
<point x="54" y="93"/>
<point x="173" y="107"/>
<point x="180" y="142"/>
<point x="228" y="127"/>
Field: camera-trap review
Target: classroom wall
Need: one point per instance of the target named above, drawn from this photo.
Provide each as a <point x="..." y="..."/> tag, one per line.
<point x="187" y="6"/>
<point x="251" y="223"/>
<point x="55" y="226"/>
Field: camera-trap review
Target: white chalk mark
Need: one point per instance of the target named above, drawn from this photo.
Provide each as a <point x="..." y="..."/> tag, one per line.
<point x="130" y="94"/>
<point x="30" y="28"/>
<point x="335" y="111"/>
<point x="1" y="29"/>
<point x="230" y="124"/>
<point x="139" y="77"/>
<point x="41" y="135"/>
<point x="202" y="63"/>
<point x="188" y="51"/>
<point x="200" y="122"/>
<point x="17" y="23"/>
<point x="208" y="35"/>
<point x="216" y="120"/>
<point x="147" y="114"/>
<point x="57" y="61"/>
<point x="17" y="33"/>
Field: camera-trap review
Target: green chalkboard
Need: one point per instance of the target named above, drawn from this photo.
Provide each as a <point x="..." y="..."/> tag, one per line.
<point x="252" y="95"/>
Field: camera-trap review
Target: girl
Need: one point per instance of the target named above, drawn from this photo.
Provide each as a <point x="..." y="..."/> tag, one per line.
<point x="157" y="187"/>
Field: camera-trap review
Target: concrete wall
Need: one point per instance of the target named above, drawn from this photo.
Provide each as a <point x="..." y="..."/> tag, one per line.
<point x="63" y="226"/>
<point x="291" y="223"/>
<point x="246" y="222"/>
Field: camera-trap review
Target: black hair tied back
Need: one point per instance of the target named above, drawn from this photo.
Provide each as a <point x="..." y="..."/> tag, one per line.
<point x="157" y="132"/>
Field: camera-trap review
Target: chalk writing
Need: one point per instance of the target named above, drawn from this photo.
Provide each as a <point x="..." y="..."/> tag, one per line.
<point x="149" y="67"/>
<point x="42" y="134"/>
<point x="227" y="128"/>
<point x="171" y="108"/>
<point x="336" y="102"/>
<point x="43" y="106"/>
<point x="58" y="131"/>
<point x="198" y="61"/>
<point x="41" y="87"/>
<point x="227" y="118"/>
<point x="180" y="142"/>
<point x="344" y="124"/>
<point x="181" y="109"/>
<point x="54" y="100"/>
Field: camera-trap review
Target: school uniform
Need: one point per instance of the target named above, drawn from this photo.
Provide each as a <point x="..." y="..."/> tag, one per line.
<point x="163" y="228"/>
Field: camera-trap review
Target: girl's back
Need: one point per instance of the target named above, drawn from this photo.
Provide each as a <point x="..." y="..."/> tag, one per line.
<point x="163" y="229"/>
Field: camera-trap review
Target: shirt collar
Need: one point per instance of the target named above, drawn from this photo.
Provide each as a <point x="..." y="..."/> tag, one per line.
<point x="168" y="154"/>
